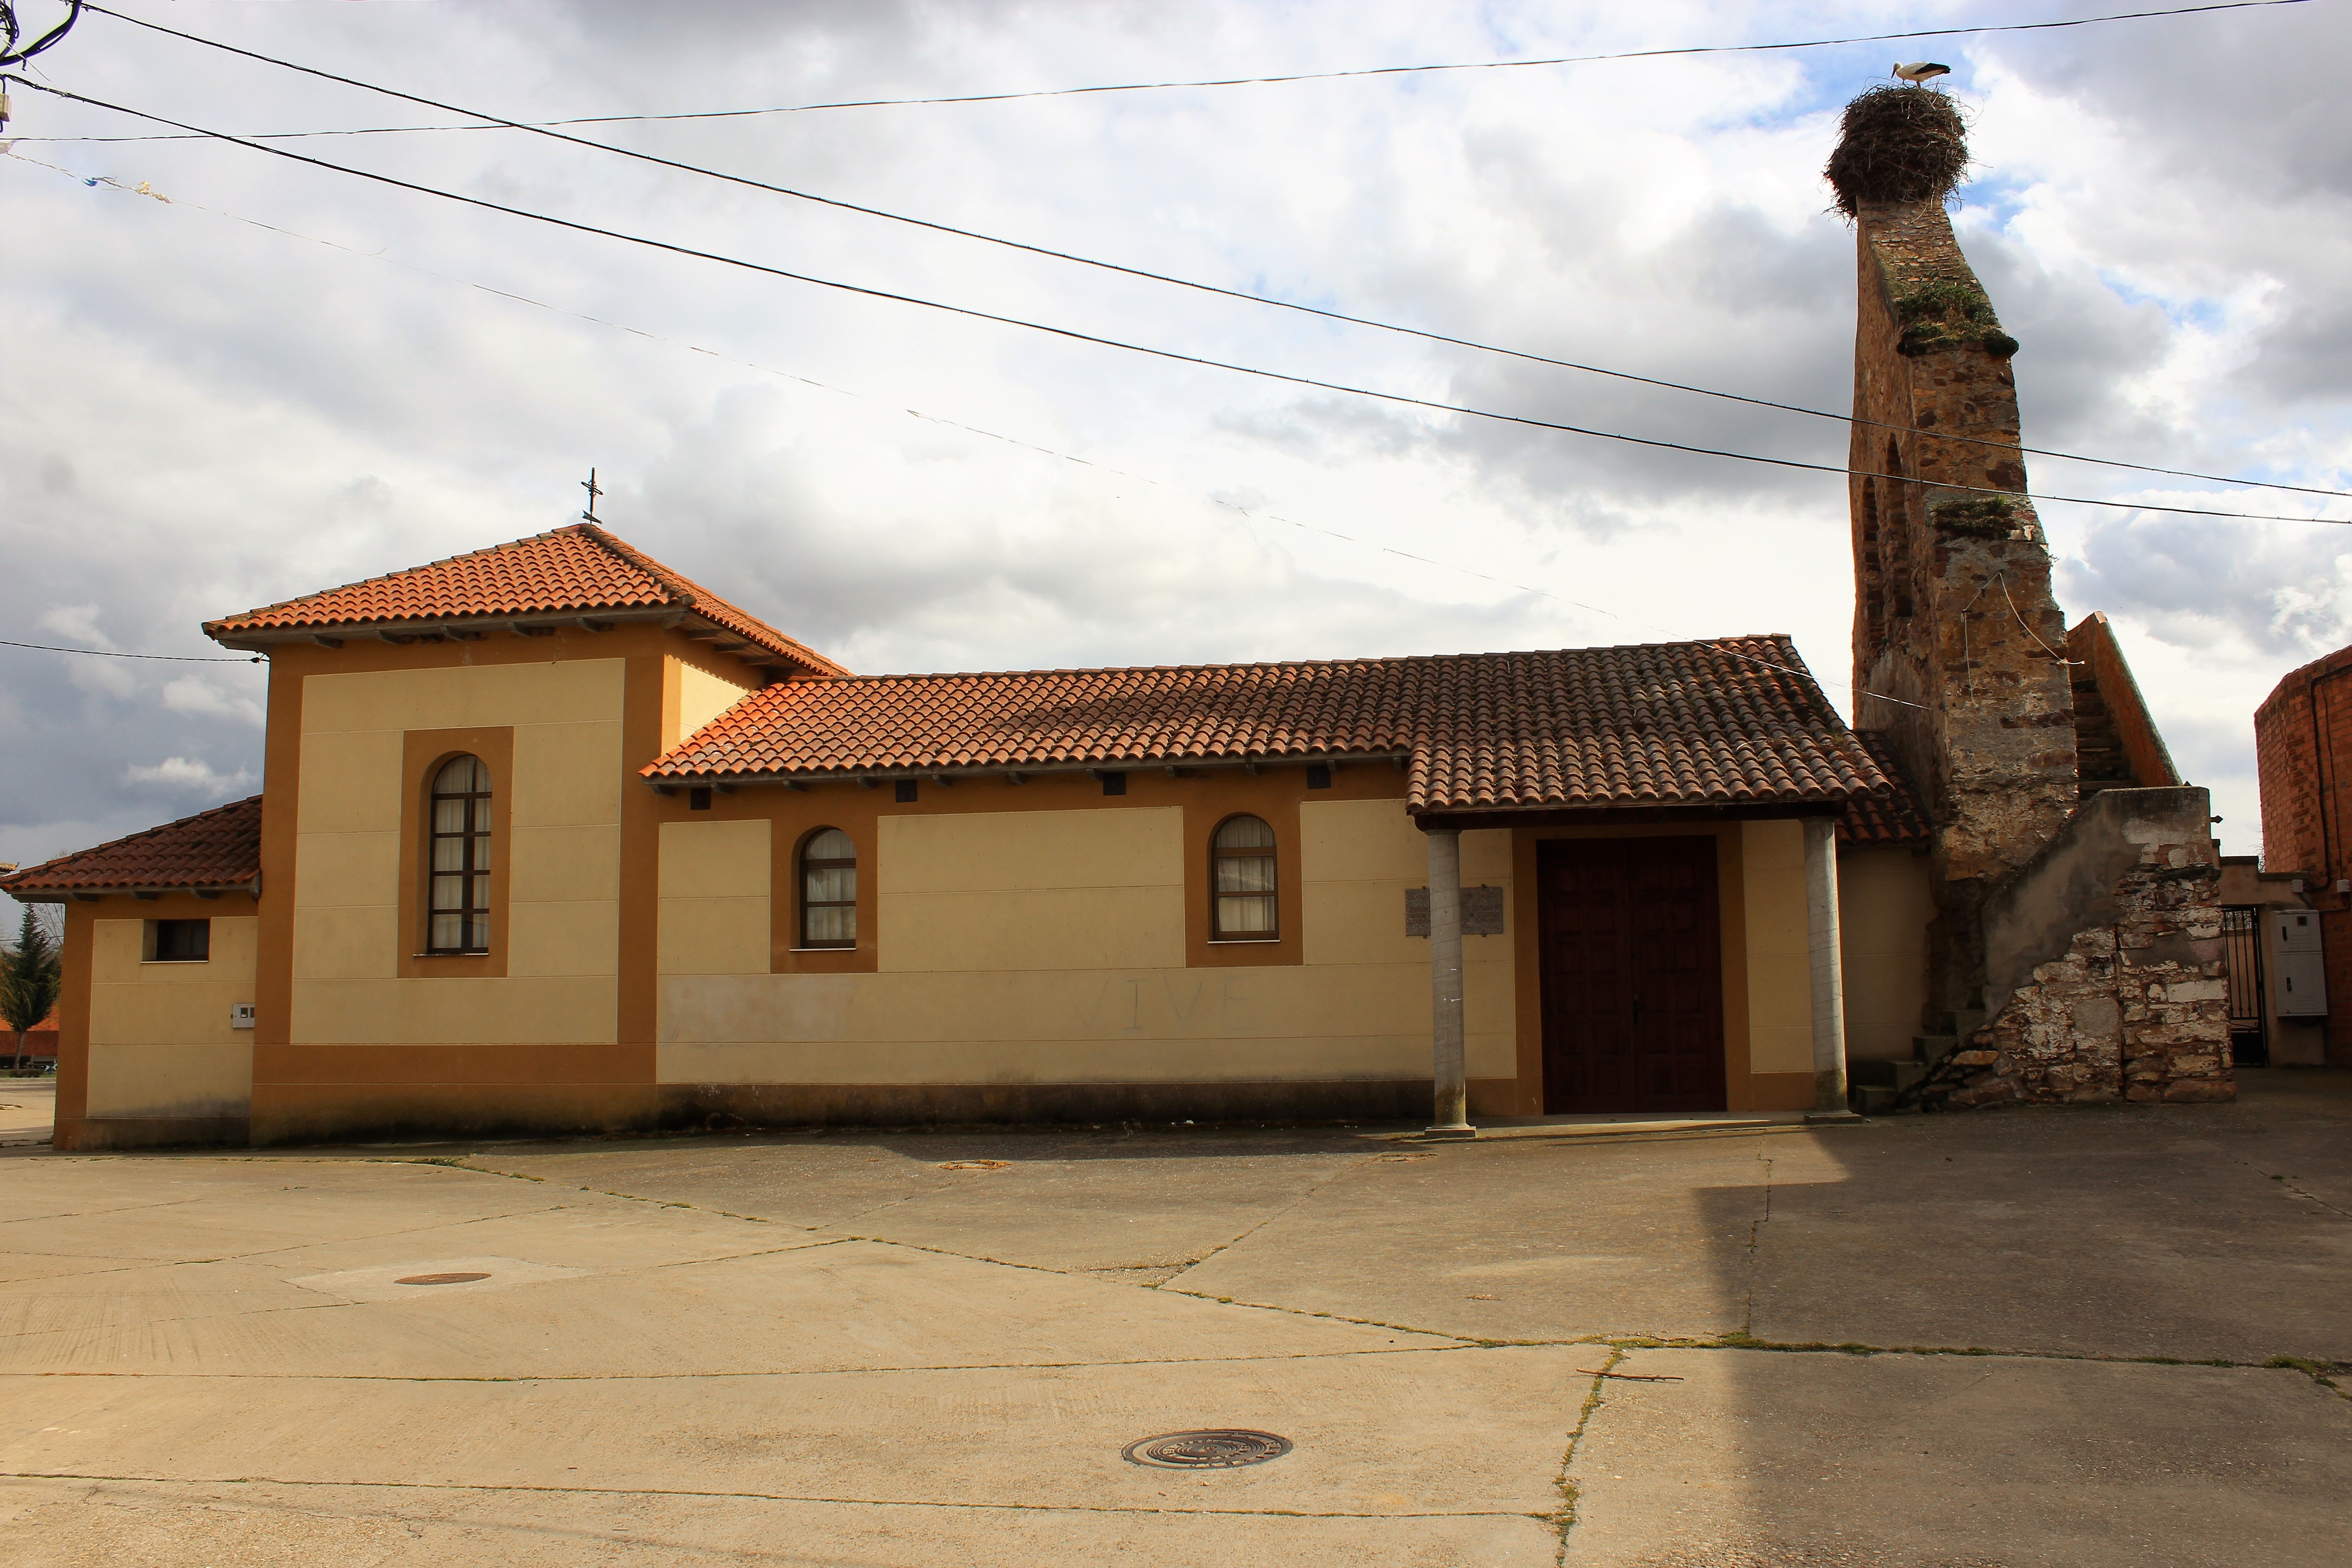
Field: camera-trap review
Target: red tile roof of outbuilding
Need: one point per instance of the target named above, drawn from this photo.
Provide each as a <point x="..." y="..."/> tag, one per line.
<point x="570" y="570"/>
<point x="1735" y="721"/>
<point x="215" y="849"/>
<point x="1896" y="817"/>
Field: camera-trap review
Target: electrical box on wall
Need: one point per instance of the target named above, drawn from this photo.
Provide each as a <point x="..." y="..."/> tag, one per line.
<point x="2297" y="964"/>
<point x="240" y="1015"/>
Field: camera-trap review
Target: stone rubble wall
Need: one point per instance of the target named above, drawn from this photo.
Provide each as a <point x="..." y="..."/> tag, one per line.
<point x="2134" y="1007"/>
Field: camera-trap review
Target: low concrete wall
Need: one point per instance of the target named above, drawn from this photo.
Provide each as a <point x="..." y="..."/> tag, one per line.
<point x="2105" y="973"/>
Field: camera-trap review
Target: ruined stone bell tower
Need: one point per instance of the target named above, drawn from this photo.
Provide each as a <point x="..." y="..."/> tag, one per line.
<point x="1958" y="646"/>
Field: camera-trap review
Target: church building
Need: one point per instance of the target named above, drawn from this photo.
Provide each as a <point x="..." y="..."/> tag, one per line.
<point x="553" y="839"/>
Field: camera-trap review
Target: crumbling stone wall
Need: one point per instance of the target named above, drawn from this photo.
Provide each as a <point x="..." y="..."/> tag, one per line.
<point x="2108" y="964"/>
<point x="1955" y="622"/>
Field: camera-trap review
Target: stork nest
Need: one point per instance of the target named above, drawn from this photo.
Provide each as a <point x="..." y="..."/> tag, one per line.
<point x="1898" y="145"/>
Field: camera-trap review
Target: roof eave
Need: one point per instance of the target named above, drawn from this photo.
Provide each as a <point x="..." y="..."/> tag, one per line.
<point x="530" y="624"/>
<point x="796" y="779"/>
<point x="92" y="892"/>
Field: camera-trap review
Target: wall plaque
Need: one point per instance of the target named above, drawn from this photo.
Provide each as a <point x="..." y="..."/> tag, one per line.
<point x="1482" y="911"/>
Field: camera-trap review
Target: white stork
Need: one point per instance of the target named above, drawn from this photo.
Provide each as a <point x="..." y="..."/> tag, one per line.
<point x="1916" y="72"/>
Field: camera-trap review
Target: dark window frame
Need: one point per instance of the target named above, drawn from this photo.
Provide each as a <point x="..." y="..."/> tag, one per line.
<point x="1269" y="853"/>
<point x="471" y="878"/>
<point x="166" y="942"/>
<point x="802" y="863"/>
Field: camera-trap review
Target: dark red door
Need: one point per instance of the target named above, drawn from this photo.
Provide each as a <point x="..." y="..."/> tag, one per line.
<point x="1633" y="974"/>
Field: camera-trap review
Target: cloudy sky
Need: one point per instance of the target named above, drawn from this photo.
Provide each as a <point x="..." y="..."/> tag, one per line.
<point x="282" y="377"/>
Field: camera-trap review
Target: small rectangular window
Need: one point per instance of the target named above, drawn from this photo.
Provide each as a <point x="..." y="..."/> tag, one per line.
<point x="698" y="800"/>
<point x="1318" y="775"/>
<point x="906" y="793"/>
<point x="1114" y="784"/>
<point x="179" y="942"/>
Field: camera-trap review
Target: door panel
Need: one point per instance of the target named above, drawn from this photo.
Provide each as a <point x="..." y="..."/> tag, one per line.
<point x="1632" y="974"/>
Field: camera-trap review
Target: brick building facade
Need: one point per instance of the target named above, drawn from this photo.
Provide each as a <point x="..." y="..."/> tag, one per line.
<point x="2303" y="745"/>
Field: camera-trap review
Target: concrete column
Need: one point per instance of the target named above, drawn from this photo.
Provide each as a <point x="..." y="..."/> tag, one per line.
<point x="1828" y="966"/>
<point x="1445" y="984"/>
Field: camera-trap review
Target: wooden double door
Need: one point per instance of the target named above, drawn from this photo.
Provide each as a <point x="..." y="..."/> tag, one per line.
<point x="1633" y="974"/>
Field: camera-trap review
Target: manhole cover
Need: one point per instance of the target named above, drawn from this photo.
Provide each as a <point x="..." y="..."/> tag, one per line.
<point x="1206" y="1450"/>
<point x="460" y="1279"/>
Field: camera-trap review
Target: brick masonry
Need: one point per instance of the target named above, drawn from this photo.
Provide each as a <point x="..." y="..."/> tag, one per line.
<point x="1953" y="617"/>
<point x="2088" y="929"/>
<point x="2302" y="747"/>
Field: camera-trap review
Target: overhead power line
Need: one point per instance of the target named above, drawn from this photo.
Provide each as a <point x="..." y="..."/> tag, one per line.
<point x="10" y="33"/>
<point x="1171" y="355"/>
<point x="1680" y="52"/>
<point x="1210" y="289"/>
<point x="109" y="653"/>
<point x="1251" y="513"/>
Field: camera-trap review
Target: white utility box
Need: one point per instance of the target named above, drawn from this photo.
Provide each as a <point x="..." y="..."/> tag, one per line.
<point x="240" y="1015"/>
<point x="2298" y="964"/>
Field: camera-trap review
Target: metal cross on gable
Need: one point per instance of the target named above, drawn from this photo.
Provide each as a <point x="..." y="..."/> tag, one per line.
<point x="589" y="484"/>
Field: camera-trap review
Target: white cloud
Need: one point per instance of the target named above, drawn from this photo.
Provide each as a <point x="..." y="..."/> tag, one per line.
<point x="190" y="776"/>
<point x="191" y="694"/>
<point x="79" y="622"/>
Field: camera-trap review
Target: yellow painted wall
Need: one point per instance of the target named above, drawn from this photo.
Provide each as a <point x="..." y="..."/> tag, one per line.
<point x="699" y="698"/>
<point x="562" y="882"/>
<point x="1779" y="970"/>
<point x="1049" y="946"/>
<point x="1884" y="907"/>
<point x="1100" y="889"/>
<point x="714" y="897"/>
<point x="161" y="1043"/>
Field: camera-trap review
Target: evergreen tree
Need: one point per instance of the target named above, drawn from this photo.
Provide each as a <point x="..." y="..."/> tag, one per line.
<point x="30" y="976"/>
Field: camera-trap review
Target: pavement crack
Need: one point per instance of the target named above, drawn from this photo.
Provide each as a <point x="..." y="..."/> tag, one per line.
<point x="1195" y="1295"/>
<point x="2287" y="1183"/>
<point x="100" y="1214"/>
<point x="1564" y="1522"/>
<point x="1756" y="1247"/>
<point x="427" y="1379"/>
<point x="719" y="1494"/>
<point x="134" y="1267"/>
<point x="1347" y="1169"/>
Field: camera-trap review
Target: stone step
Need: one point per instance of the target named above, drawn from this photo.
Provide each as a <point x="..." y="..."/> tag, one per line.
<point x="1869" y="1098"/>
<point x="1964" y="1021"/>
<point x="1891" y="1075"/>
<point x="1929" y="1050"/>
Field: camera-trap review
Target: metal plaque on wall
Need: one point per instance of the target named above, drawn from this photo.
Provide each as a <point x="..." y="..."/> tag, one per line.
<point x="1482" y="911"/>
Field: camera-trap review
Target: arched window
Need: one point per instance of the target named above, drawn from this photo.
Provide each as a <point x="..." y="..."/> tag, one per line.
<point x="461" y="857"/>
<point x="1241" y="882"/>
<point x="828" y="889"/>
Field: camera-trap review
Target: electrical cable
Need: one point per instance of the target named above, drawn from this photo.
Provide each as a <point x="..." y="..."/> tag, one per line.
<point x="1171" y="355"/>
<point x="1253" y="515"/>
<point x="10" y="55"/>
<point x="1211" y="289"/>
<point x="1279" y="80"/>
<point x="109" y="653"/>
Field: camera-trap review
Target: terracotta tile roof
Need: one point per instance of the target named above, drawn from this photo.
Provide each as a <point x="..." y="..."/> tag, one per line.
<point x="1896" y="817"/>
<point x="215" y="849"/>
<point x="1675" y="723"/>
<point x="568" y="570"/>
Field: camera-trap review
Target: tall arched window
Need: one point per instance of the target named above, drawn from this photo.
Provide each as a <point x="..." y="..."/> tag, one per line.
<point x="828" y="889"/>
<point x="1241" y="882"/>
<point x="461" y="857"/>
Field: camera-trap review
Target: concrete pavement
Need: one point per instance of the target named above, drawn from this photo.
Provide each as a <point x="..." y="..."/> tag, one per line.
<point x="918" y="1348"/>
